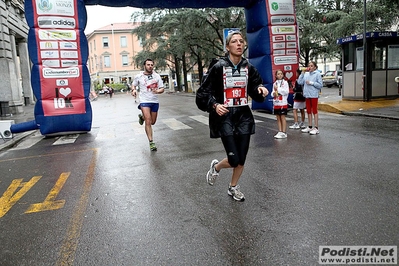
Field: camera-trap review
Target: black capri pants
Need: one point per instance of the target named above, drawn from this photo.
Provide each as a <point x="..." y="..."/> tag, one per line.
<point x="236" y="148"/>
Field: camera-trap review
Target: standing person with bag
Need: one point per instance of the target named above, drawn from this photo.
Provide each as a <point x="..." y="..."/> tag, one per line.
<point x="299" y="104"/>
<point x="150" y="84"/>
<point x="224" y="94"/>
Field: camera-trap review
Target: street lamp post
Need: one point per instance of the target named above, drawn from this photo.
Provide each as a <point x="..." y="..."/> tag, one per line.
<point x="365" y="65"/>
<point x="113" y="44"/>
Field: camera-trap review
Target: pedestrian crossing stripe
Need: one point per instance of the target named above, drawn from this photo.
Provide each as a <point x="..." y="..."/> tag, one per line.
<point x="106" y="133"/>
<point x="200" y="118"/>
<point x="67" y="139"/>
<point x="175" y="124"/>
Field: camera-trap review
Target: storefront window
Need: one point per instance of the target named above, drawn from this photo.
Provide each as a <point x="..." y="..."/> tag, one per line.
<point x="379" y="57"/>
<point x="359" y="58"/>
<point x="393" y="56"/>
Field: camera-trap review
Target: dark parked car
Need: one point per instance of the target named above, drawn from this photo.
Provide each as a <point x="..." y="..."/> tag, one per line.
<point x="332" y="78"/>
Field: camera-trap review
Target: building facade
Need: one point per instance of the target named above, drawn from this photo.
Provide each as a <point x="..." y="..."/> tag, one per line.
<point x="15" y="65"/>
<point x="112" y="50"/>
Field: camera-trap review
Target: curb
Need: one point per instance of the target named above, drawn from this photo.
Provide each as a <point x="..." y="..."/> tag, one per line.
<point x="371" y="115"/>
<point x="328" y="108"/>
<point x="15" y="140"/>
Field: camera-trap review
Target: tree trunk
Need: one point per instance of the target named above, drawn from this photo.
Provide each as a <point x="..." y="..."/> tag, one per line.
<point x="185" y="72"/>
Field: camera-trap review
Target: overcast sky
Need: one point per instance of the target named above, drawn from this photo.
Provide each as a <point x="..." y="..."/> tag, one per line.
<point x="100" y="16"/>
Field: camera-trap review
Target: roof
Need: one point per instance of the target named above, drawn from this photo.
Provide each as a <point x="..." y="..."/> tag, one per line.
<point x="369" y="35"/>
<point x="116" y="27"/>
<point x="172" y="3"/>
<point x="119" y="26"/>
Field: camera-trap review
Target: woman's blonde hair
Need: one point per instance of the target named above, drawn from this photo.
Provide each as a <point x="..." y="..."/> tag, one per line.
<point x="231" y="34"/>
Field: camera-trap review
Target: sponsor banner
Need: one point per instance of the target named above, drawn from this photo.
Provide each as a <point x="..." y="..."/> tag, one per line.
<point x="49" y="54"/>
<point x="56" y="7"/>
<point x="282" y="20"/>
<point x="57" y="35"/>
<point x="279" y="45"/>
<point x="278" y="38"/>
<point x="51" y="63"/>
<point x="56" y="22"/>
<point x="285" y="60"/>
<point x="281" y="7"/>
<point x="283" y="29"/>
<point x="69" y="63"/>
<point x="48" y="45"/>
<point x="283" y="37"/>
<point x="279" y="52"/>
<point x="62" y="91"/>
<point x="291" y="38"/>
<point x="68" y="45"/>
<point x="69" y="54"/>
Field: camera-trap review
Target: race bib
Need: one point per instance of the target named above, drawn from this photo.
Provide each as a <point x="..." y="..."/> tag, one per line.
<point x="235" y="86"/>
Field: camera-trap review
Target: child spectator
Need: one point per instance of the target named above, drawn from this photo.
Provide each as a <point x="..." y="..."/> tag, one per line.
<point x="299" y="104"/>
<point x="280" y="104"/>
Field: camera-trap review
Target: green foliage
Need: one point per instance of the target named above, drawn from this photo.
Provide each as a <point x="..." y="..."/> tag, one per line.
<point x="322" y="22"/>
<point x="179" y="39"/>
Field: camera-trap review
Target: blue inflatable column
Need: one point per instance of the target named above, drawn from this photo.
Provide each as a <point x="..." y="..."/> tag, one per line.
<point x="60" y="79"/>
<point x="273" y="42"/>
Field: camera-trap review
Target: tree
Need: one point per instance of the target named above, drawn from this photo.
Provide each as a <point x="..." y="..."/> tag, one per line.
<point x="322" y="22"/>
<point x="183" y="38"/>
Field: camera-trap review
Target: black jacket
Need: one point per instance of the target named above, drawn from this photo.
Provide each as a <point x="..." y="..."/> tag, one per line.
<point x="239" y="120"/>
<point x="298" y="95"/>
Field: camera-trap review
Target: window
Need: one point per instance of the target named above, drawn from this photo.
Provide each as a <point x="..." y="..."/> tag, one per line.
<point x="107" y="61"/>
<point x="123" y="41"/>
<point x="378" y="56"/>
<point x="359" y="58"/>
<point x="94" y="45"/>
<point x="393" y="56"/>
<point x="125" y="60"/>
<point x="105" y="42"/>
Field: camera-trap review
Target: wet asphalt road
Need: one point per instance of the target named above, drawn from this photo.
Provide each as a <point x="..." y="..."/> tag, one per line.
<point x="103" y="198"/>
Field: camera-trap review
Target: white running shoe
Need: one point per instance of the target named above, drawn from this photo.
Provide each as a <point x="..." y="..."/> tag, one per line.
<point x="306" y="130"/>
<point x="236" y="193"/>
<point x="302" y="125"/>
<point x="314" y="131"/>
<point x="212" y="173"/>
<point x="277" y="136"/>
<point x="294" y="126"/>
<point x="282" y="135"/>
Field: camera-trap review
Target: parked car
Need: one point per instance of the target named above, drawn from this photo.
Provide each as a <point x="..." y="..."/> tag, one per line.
<point x="332" y="78"/>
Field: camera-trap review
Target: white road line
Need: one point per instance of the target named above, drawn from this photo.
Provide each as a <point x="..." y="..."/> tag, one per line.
<point x="106" y="133"/>
<point x="68" y="139"/>
<point x="28" y="142"/>
<point x="175" y="124"/>
<point x="201" y="118"/>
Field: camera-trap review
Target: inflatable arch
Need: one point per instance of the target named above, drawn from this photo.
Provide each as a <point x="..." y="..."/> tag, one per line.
<point x="59" y="52"/>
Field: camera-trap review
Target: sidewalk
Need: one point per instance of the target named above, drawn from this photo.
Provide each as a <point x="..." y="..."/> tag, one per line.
<point x="329" y="101"/>
<point x="27" y="115"/>
<point x="383" y="108"/>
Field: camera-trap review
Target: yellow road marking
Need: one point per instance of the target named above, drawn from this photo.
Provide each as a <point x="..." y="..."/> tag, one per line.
<point x="68" y="248"/>
<point x="9" y="198"/>
<point x="49" y="202"/>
